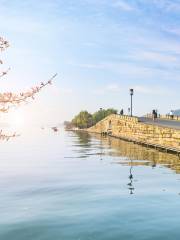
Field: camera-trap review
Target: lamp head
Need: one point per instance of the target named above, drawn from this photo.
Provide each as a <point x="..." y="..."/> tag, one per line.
<point x="131" y="90"/>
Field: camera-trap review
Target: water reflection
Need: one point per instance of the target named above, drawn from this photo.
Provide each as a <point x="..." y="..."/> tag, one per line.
<point x="131" y="154"/>
<point x="101" y="148"/>
<point x="83" y="145"/>
<point x="84" y="138"/>
<point x="130" y="184"/>
<point x="98" y="193"/>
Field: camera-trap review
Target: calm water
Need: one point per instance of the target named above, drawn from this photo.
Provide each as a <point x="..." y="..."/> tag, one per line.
<point x="75" y="186"/>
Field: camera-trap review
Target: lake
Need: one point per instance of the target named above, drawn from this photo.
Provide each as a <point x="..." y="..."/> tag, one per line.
<point x="76" y="186"/>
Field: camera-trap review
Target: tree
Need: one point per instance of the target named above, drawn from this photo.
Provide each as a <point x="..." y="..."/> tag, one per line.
<point x="9" y="99"/>
<point x="102" y="113"/>
<point x="82" y="120"/>
<point x="68" y="125"/>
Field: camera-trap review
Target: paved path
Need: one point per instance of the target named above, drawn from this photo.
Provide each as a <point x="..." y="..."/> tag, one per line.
<point x="161" y="122"/>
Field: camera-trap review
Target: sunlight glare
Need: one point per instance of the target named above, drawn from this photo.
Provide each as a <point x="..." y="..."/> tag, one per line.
<point x="16" y="119"/>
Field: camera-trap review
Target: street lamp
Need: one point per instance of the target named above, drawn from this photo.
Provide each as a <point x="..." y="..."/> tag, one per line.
<point x="102" y="113"/>
<point x="131" y="94"/>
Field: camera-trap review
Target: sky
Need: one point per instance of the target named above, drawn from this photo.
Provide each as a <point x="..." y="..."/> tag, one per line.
<point x="99" y="48"/>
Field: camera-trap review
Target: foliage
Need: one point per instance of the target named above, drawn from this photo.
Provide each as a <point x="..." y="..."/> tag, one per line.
<point x="68" y="125"/>
<point x="102" y="113"/>
<point x="84" y="119"/>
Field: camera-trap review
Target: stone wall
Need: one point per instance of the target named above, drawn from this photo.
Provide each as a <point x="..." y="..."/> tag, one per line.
<point x="130" y="128"/>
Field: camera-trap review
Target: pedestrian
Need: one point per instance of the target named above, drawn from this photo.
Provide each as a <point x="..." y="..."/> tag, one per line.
<point x="154" y="114"/>
<point x="121" y="112"/>
<point x="171" y="114"/>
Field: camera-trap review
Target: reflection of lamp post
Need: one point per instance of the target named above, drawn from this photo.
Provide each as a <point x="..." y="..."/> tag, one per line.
<point x="101" y="136"/>
<point x="131" y="94"/>
<point x="130" y="184"/>
<point x="101" y="147"/>
<point x="101" y="119"/>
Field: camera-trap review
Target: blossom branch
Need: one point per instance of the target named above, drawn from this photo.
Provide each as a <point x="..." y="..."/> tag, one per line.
<point x="10" y="99"/>
<point x="7" y="137"/>
<point x="2" y="74"/>
<point x="3" y="44"/>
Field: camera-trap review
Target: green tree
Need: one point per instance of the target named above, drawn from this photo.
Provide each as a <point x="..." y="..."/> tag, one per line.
<point x="85" y="120"/>
<point x="102" y="113"/>
<point x="82" y="120"/>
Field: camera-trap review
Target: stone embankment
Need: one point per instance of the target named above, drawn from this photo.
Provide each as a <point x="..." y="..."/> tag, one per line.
<point x="131" y="129"/>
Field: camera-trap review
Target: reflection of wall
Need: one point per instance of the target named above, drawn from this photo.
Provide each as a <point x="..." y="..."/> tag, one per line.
<point x="140" y="155"/>
<point x="127" y="127"/>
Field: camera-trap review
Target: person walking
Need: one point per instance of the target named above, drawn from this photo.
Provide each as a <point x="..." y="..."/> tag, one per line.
<point x="121" y="112"/>
<point x="154" y="114"/>
<point x="171" y="114"/>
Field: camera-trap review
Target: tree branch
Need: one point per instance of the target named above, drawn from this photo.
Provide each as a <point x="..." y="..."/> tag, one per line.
<point x="3" y="44"/>
<point x="7" y="137"/>
<point x="10" y="99"/>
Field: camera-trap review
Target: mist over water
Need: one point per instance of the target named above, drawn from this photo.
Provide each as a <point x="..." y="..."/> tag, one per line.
<point x="69" y="186"/>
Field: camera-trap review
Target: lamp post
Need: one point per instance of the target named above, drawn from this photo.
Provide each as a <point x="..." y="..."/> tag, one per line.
<point x="101" y="119"/>
<point x="131" y="94"/>
<point x="102" y="112"/>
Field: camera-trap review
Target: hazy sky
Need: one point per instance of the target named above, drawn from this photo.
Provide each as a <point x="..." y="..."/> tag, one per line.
<point x="99" y="48"/>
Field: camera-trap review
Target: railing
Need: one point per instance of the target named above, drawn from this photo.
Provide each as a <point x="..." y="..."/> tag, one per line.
<point x="126" y="117"/>
<point x="177" y="118"/>
<point x="165" y="117"/>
